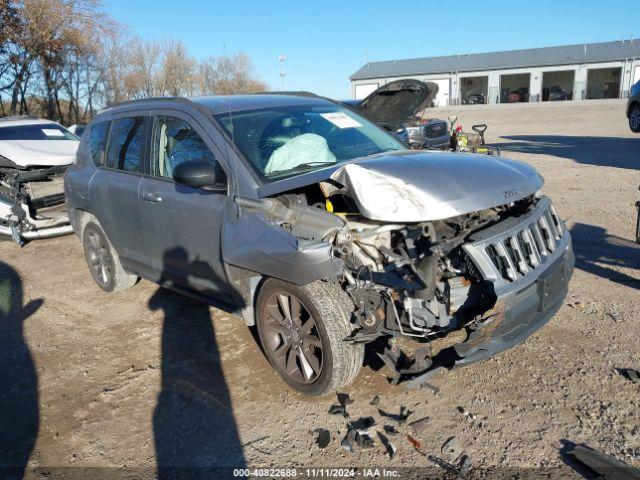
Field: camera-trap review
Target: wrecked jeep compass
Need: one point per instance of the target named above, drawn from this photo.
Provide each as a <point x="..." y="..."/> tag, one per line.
<point x="321" y="227"/>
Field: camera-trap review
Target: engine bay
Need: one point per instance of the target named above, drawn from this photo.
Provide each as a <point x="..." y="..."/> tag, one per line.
<point x="408" y="278"/>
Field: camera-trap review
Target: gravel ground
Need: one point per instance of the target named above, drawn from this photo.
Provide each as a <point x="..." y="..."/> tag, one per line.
<point x="115" y="383"/>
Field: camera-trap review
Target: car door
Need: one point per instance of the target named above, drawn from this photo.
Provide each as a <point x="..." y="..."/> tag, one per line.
<point x="114" y="187"/>
<point x="181" y="225"/>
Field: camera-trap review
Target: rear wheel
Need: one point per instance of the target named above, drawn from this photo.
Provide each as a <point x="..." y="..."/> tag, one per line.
<point x="301" y="330"/>
<point x="634" y="118"/>
<point x="103" y="261"/>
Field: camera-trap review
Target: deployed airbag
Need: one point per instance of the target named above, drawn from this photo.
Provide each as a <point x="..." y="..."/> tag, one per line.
<point x="305" y="148"/>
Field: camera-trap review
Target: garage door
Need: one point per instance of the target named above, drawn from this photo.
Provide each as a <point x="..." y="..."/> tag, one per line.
<point x="364" y="89"/>
<point x="442" y="99"/>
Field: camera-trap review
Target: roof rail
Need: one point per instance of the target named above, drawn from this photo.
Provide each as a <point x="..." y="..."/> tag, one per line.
<point x="302" y="93"/>
<point x="144" y="100"/>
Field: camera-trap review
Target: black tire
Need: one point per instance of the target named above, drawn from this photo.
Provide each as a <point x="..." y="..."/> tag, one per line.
<point x="330" y="308"/>
<point x="103" y="261"/>
<point x="634" y="118"/>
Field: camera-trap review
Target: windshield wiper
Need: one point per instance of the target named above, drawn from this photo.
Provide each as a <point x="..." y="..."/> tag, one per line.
<point x="301" y="166"/>
<point x="311" y="164"/>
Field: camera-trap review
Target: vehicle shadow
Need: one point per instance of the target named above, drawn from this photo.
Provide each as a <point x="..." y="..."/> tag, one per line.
<point x="617" y="152"/>
<point x="598" y="252"/>
<point x="194" y="426"/>
<point x="19" y="409"/>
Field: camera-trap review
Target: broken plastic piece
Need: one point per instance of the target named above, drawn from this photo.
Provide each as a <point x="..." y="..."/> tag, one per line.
<point x="607" y="467"/>
<point x="388" y="361"/>
<point x="419" y="425"/>
<point x="347" y="441"/>
<point x="423" y="380"/>
<point x="390" y="448"/>
<point x="362" y="423"/>
<point x="415" y="371"/>
<point x="451" y="449"/>
<point x="344" y="399"/>
<point x="364" y="439"/>
<point x="338" y="410"/>
<point x="324" y="437"/>
<point x="341" y="408"/>
<point x="629" y="374"/>
<point x="390" y="430"/>
<point x="400" y="417"/>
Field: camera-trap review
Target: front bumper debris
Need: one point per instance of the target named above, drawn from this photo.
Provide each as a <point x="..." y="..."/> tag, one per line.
<point x="514" y="317"/>
<point x="520" y="314"/>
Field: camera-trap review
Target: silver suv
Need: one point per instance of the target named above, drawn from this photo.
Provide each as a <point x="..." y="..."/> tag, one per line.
<point x="321" y="227"/>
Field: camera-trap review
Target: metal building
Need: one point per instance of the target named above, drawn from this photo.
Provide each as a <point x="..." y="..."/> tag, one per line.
<point x="571" y="72"/>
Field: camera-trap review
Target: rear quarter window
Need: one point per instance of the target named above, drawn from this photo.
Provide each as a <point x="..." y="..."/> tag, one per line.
<point x="98" y="141"/>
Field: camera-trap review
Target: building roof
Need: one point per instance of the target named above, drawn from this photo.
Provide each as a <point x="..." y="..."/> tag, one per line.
<point x="532" y="57"/>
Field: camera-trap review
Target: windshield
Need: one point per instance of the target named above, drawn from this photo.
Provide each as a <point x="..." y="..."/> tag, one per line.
<point x="41" y="131"/>
<point x="283" y="141"/>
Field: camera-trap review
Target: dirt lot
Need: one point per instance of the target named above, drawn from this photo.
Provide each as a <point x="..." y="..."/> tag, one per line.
<point x="123" y="381"/>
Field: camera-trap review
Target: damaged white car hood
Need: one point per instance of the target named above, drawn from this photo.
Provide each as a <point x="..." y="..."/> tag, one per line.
<point x="424" y="186"/>
<point x="37" y="153"/>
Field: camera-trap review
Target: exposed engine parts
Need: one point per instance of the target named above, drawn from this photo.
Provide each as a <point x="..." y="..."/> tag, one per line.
<point x="413" y="279"/>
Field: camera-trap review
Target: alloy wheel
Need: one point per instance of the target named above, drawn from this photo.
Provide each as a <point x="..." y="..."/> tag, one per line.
<point x="99" y="258"/>
<point x="291" y="338"/>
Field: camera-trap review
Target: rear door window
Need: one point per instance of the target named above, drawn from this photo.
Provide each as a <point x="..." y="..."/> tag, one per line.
<point x="126" y="144"/>
<point x="98" y="141"/>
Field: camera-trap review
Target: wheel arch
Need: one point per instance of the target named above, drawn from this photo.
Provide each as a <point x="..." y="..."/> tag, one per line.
<point x="79" y="219"/>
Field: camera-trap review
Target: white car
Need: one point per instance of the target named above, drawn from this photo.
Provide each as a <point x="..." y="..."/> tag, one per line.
<point x="34" y="154"/>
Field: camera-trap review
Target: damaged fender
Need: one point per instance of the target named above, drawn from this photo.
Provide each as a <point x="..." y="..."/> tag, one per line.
<point x="254" y="243"/>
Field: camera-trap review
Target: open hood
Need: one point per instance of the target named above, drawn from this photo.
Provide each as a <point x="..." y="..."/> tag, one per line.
<point x="424" y="186"/>
<point x="397" y="103"/>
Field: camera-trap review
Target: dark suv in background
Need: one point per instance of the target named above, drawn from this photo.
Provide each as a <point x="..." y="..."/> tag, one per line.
<point x="633" y="108"/>
<point x="321" y="227"/>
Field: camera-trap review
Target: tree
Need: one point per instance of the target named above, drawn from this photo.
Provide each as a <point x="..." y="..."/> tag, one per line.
<point x="176" y="75"/>
<point x="63" y="59"/>
<point x="227" y="75"/>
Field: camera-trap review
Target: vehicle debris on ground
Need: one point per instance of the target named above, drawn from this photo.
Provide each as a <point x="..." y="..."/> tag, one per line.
<point x="607" y="467"/>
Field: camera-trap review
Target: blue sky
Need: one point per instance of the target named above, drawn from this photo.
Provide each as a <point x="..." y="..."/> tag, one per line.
<point x="326" y="41"/>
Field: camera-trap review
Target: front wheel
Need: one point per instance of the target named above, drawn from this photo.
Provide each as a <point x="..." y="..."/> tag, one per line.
<point x="634" y="118"/>
<point x="301" y="330"/>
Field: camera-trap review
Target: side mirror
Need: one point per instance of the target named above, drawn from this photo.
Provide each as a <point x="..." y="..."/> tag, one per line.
<point x="196" y="173"/>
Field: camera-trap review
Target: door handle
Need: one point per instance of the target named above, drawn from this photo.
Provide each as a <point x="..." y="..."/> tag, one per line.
<point x="151" y="197"/>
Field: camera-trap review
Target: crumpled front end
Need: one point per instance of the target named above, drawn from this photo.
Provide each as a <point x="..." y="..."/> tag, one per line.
<point x="529" y="262"/>
<point x="32" y="203"/>
<point x="424" y="245"/>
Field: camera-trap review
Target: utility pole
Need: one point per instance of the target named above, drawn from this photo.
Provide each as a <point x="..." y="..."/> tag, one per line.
<point x="282" y="59"/>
